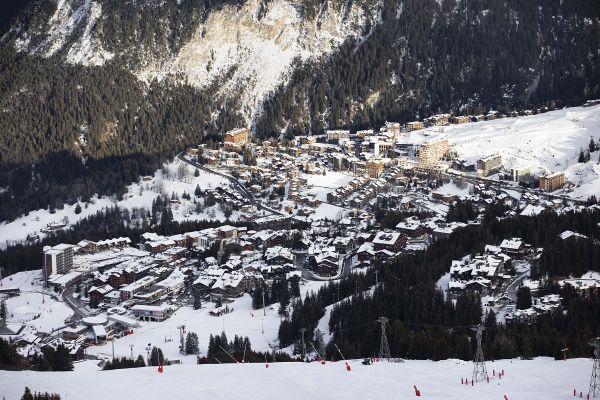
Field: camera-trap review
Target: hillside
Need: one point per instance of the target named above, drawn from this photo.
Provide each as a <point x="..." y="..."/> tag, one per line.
<point x="282" y="66"/>
<point x="95" y="93"/>
<point x="547" y="143"/>
<point x="523" y="380"/>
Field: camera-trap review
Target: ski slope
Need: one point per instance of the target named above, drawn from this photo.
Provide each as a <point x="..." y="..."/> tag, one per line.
<point x="548" y="142"/>
<point x="542" y="378"/>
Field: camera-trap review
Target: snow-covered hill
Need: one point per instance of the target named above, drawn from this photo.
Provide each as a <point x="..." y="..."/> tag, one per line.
<point x="548" y="142"/>
<point x="175" y="177"/>
<point x="537" y="379"/>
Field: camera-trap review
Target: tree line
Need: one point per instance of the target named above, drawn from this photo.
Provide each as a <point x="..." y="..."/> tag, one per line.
<point x="423" y="324"/>
<point x="427" y="57"/>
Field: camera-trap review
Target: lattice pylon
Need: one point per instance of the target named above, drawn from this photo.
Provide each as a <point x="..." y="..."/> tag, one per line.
<point x="479" y="370"/>
<point x="595" y="380"/>
<point x="384" y="347"/>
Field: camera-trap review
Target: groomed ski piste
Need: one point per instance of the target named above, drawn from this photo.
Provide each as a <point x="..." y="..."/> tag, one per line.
<point x="537" y="379"/>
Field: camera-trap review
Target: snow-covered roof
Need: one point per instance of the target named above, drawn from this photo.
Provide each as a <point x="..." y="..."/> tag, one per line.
<point x="511" y="244"/>
<point x="386" y="238"/>
<point x="568" y="234"/>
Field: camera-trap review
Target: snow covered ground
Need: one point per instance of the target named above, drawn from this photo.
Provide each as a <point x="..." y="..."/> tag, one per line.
<point x="32" y="308"/>
<point x="548" y="142"/>
<point x="542" y="378"/>
<point x="242" y="321"/>
<point x="452" y="189"/>
<point x="320" y="185"/>
<point x="328" y="211"/>
<point x="176" y="177"/>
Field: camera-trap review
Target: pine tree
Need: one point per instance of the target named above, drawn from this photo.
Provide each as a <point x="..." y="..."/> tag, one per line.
<point x="139" y="361"/>
<point x="191" y="343"/>
<point x="197" y="301"/>
<point x="227" y="211"/>
<point x="295" y="286"/>
<point x="257" y="297"/>
<point x="3" y="310"/>
<point x="62" y="357"/>
<point x="196" y="172"/>
<point x="319" y="343"/>
<point x="27" y="395"/>
<point x="167" y="216"/>
<point x="490" y="320"/>
<point x="78" y="209"/>
<point x="156" y="357"/>
<point x="523" y="298"/>
<point x="526" y="349"/>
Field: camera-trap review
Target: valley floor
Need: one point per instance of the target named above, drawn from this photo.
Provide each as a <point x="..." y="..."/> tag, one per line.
<point x="542" y="378"/>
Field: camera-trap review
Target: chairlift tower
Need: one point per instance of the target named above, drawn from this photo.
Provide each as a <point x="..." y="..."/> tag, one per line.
<point x="479" y="370"/>
<point x="181" y="339"/>
<point x="384" y="347"/>
<point x="595" y="381"/>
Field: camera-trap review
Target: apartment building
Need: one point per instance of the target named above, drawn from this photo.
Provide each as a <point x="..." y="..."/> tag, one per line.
<point x="489" y="165"/>
<point x="337" y="134"/>
<point x="374" y="168"/>
<point x="552" y="182"/>
<point x="434" y="151"/>
<point x="237" y="136"/>
<point x="58" y="259"/>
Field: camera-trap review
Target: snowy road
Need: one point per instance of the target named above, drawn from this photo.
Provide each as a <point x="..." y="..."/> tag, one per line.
<point x="234" y="181"/>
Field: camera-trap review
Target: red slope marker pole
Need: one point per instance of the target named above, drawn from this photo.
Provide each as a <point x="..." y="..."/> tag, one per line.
<point x="348" y="368"/>
<point x="417" y="391"/>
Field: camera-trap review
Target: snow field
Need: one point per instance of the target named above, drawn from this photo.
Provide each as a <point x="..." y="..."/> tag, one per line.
<point x="320" y="185"/>
<point x="541" y="378"/>
<point x="548" y="142"/>
<point x="242" y="321"/>
<point x="178" y="177"/>
<point x="37" y="311"/>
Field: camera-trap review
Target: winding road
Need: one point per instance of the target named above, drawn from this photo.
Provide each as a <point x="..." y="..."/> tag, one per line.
<point x="245" y="192"/>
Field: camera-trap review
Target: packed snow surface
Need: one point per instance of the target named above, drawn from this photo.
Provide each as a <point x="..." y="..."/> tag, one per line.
<point x="542" y="378"/>
<point x="320" y="185"/>
<point x="243" y="320"/>
<point x="547" y="143"/>
<point x="34" y="308"/>
<point x="550" y="141"/>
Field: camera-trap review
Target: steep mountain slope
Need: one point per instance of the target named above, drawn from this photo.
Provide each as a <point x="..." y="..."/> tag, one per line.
<point x="447" y="56"/>
<point x="88" y="88"/>
<point x="253" y="44"/>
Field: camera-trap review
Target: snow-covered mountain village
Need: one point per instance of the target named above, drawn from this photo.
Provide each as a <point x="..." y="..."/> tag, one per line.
<point x="315" y="199"/>
<point x="318" y="217"/>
